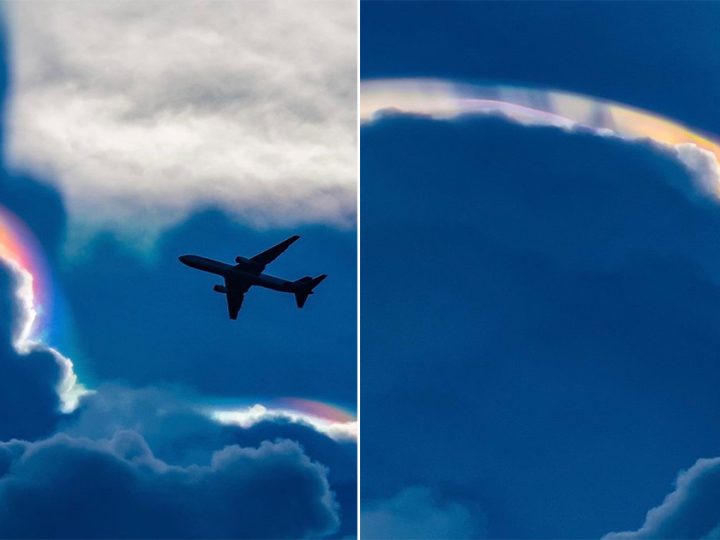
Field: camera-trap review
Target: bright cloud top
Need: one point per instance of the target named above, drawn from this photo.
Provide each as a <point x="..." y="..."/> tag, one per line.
<point x="331" y="420"/>
<point x="141" y="112"/>
<point x="542" y="107"/>
<point x="20" y="253"/>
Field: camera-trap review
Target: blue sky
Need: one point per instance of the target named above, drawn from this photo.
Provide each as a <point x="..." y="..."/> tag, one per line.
<point x="139" y="457"/>
<point x="540" y="306"/>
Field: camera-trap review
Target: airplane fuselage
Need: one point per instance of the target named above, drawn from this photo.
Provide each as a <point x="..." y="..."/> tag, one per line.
<point x="241" y="273"/>
<point x="249" y="272"/>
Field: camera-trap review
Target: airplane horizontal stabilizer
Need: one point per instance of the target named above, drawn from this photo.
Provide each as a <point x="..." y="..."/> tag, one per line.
<point x="305" y="288"/>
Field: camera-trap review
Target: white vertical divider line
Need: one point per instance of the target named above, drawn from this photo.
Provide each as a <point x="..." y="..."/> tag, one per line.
<point x="358" y="400"/>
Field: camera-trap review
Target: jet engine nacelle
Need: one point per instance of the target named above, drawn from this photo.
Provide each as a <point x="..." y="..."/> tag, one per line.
<point x="220" y="288"/>
<point x="242" y="260"/>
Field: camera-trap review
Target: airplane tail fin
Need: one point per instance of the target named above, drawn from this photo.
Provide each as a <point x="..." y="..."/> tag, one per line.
<point x="305" y="288"/>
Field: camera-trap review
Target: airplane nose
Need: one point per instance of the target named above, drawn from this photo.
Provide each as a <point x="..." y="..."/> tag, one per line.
<point x="184" y="258"/>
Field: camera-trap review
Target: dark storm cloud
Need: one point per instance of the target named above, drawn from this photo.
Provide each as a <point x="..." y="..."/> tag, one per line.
<point x="543" y="301"/>
<point x="71" y="487"/>
<point x="28" y="401"/>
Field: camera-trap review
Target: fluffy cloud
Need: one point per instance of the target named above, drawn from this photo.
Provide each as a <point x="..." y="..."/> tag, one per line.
<point x="690" y="511"/>
<point x="249" y="416"/>
<point x="181" y="431"/>
<point x="118" y="488"/>
<point x="180" y="435"/>
<point x="147" y="111"/>
<point x="28" y="399"/>
<point x="416" y="513"/>
<point x="702" y="163"/>
<point x="141" y="457"/>
<point x="165" y="417"/>
<point x="287" y="480"/>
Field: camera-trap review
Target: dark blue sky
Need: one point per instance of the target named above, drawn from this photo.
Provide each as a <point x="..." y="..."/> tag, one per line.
<point x="540" y="308"/>
<point x="137" y="459"/>
<point x="658" y="56"/>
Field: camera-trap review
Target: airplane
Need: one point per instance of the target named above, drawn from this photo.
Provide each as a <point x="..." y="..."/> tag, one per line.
<point x="249" y="272"/>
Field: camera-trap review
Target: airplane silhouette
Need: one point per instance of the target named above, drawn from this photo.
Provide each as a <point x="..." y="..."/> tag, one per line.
<point x="249" y="272"/>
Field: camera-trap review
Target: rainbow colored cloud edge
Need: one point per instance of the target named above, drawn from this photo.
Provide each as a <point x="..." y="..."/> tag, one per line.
<point x="446" y="100"/>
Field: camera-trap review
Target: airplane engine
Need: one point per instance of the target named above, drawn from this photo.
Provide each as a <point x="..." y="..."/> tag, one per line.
<point x="242" y="260"/>
<point x="220" y="288"/>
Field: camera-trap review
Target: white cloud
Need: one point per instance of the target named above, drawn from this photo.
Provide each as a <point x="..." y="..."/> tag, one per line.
<point x="691" y="510"/>
<point x="141" y="112"/>
<point x="703" y="164"/>
<point x="249" y="416"/>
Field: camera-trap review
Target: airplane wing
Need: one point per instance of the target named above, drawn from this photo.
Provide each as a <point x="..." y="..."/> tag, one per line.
<point x="235" y="290"/>
<point x="234" y="302"/>
<point x="269" y="255"/>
